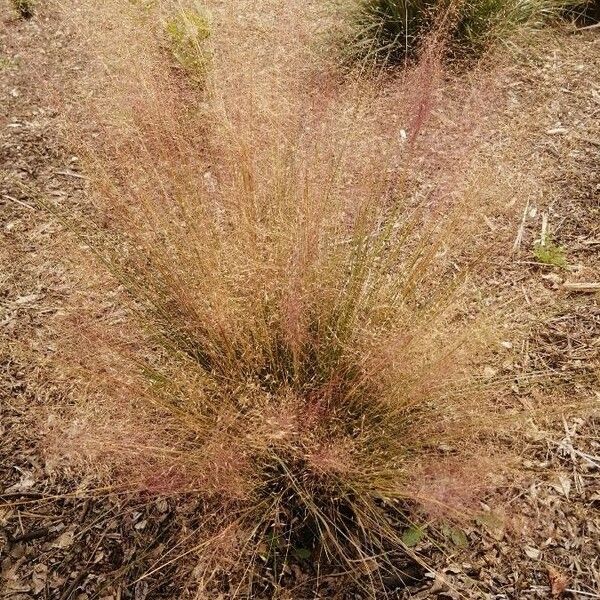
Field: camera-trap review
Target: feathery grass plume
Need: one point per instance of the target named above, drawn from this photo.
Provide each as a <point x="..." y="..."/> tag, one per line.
<point x="303" y="345"/>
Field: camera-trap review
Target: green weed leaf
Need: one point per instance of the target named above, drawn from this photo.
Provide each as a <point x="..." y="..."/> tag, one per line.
<point x="302" y="553"/>
<point x="459" y="537"/>
<point x="412" y="536"/>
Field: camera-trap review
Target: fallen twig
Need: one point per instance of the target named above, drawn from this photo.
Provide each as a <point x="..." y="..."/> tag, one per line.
<point x="521" y="229"/>
<point x="69" y="173"/>
<point x="77" y="582"/>
<point x="584" y="287"/>
<point x="593" y="26"/>
<point x="16" y="201"/>
<point x="22" y="494"/>
<point x="31" y="535"/>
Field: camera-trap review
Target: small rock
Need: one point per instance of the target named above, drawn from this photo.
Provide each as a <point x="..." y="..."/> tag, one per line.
<point x="532" y="552"/>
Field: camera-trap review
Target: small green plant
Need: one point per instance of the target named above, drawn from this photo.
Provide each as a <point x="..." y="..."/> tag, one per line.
<point x="25" y="8"/>
<point x="188" y="33"/>
<point x="144" y="4"/>
<point x="549" y="253"/>
<point x="6" y="63"/>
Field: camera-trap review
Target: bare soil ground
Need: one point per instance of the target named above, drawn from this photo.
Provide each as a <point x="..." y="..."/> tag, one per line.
<point x="62" y="539"/>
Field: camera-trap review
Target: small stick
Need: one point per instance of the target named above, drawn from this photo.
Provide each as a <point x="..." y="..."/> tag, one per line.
<point x="23" y="494"/>
<point x="521" y="228"/>
<point x="588" y="594"/>
<point x="32" y="535"/>
<point x="69" y="173"/>
<point x="78" y="580"/>
<point x="18" y="201"/>
<point x="84" y="511"/>
<point x="544" y="233"/>
<point x="586" y="288"/>
<point x="593" y="26"/>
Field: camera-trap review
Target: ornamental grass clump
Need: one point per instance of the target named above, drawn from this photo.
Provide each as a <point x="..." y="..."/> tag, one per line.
<point x="303" y="346"/>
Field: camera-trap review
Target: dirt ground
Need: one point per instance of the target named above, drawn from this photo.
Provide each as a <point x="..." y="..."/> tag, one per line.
<point x="62" y="539"/>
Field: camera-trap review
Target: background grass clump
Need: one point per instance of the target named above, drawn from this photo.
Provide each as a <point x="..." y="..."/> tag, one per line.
<point x="387" y="31"/>
<point x="188" y="33"/>
<point x="25" y="8"/>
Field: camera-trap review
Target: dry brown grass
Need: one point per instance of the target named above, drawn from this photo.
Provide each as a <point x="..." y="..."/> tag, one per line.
<point x="304" y="347"/>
